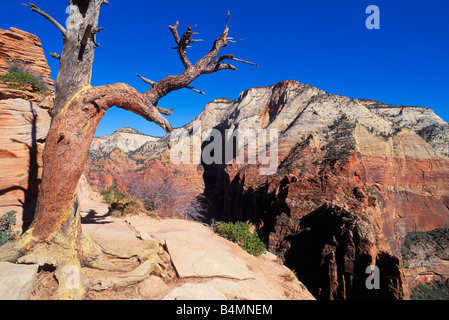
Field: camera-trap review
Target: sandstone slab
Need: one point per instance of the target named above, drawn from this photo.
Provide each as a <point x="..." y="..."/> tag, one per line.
<point x="193" y="260"/>
<point x="195" y="291"/>
<point x="197" y="252"/>
<point x="200" y="254"/>
<point x="17" y="281"/>
<point x="153" y="288"/>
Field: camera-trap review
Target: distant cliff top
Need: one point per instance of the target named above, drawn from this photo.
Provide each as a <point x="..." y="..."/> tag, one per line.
<point x="128" y="130"/>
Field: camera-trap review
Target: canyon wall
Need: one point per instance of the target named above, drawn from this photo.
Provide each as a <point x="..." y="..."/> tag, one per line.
<point x="350" y="184"/>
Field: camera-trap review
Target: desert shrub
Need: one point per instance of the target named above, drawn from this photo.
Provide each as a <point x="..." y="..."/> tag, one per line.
<point x="113" y="194"/>
<point x="6" y="222"/>
<point x="120" y="203"/>
<point x="167" y="195"/>
<point x="240" y="233"/>
<point x="20" y="76"/>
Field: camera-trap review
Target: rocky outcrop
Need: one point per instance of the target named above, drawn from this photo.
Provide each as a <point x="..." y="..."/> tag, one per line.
<point x="125" y="139"/>
<point x="25" y="120"/>
<point x="201" y="264"/>
<point x="426" y="257"/>
<point x="27" y="48"/>
<point x="17" y="281"/>
<point x="351" y="183"/>
<point x="422" y="120"/>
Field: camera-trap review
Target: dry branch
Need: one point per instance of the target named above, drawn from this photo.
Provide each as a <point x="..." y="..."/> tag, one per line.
<point x="206" y="65"/>
<point x="48" y="17"/>
<point x="147" y="81"/>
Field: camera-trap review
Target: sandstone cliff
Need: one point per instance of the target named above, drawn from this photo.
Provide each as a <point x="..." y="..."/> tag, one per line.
<point x="126" y="139"/>
<point x="422" y="120"/>
<point x="351" y="182"/>
<point x="25" y="120"/>
<point x="27" y="48"/>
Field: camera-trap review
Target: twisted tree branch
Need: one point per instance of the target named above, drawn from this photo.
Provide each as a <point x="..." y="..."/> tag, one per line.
<point x="145" y="105"/>
<point x="202" y="66"/>
<point x="126" y="97"/>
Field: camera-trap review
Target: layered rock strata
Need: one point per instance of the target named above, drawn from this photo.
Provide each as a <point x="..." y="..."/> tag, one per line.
<point x="351" y="182"/>
<point x="24" y="123"/>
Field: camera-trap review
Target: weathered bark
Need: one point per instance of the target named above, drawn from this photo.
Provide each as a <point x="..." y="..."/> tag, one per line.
<point x="55" y="237"/>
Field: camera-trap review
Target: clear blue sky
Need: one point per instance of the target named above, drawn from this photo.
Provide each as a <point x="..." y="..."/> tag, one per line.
<point x="322" y="42"/>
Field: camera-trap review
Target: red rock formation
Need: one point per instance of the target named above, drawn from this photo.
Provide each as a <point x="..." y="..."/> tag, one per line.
<point x="349" y="187"/>
<point x="25" y="47"/>
<point x="24" y="123"/>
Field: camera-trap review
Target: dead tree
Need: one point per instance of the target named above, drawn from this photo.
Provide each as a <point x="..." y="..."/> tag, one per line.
<point x="55" y="237"/>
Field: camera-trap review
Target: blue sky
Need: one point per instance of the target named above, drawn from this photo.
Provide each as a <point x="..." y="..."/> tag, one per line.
<point x="324" y="43"/>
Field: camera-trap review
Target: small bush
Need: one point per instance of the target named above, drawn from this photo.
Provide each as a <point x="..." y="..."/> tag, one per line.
<point x="113" y="194"/>
<point x="6" y="222"/>
<point x="20" y="76"/>
<point x="120" y="203"/>
<point x="166" y="195"/>
<point x="241" y="234"/>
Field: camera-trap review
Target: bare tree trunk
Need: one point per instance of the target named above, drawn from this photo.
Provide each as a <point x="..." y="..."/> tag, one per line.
<point x="55" y="237"/>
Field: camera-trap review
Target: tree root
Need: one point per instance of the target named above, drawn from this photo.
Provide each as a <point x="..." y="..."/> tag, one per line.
<point x="69" y="249"/>
<point x="73" y="283"/>
<point x="147" y="253"/>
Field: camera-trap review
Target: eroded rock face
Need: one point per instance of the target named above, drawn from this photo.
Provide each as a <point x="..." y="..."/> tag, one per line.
<point x="422" y="120"/>
<point x="426" y="257"/>
<point x="125" y="139"/>
<point x="359" y="179"/>
<point x="108" y="162"/>
<point x="24" y="123"/>
<point x="27" y="48"/>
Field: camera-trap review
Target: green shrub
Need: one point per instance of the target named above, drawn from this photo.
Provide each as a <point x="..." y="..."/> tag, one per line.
<point x="20" y="76"/>
<point x="241" y="234"/>
<point x="113" y="194"/>
<point x="121" y="204"/>
<point x="6" y="222"/>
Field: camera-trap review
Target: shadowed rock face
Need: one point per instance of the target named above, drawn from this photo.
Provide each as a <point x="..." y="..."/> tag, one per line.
<point x="24" y="123"/>
<point x="358" y="178"/>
